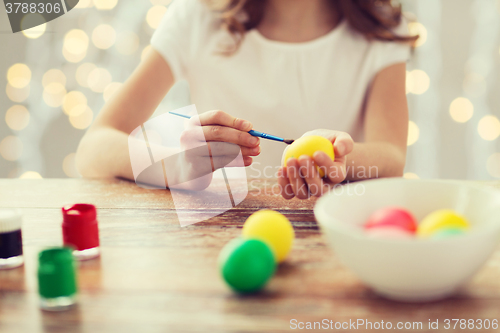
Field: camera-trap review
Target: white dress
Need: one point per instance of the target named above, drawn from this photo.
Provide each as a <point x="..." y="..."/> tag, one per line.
<point x="284" y="89"/>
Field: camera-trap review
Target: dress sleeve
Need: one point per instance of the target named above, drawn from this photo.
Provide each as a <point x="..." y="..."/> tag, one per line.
<point x="390" y="53"/>
<point x="175" y="35"/>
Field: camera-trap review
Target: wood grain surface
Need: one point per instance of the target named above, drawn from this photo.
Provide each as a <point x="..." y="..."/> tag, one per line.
<point x="156" y="276"/>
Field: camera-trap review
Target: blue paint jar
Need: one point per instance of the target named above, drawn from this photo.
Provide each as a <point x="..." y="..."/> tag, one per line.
<point x="11" y="240"/>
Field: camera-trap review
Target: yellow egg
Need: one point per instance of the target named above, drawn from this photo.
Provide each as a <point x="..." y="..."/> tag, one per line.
<point x="272" y="228"/>
<point x="439" y="220"/>
<point x="308" y="145"/>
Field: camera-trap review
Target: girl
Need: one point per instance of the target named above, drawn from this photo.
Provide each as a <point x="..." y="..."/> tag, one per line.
<point x="334" y="68"/>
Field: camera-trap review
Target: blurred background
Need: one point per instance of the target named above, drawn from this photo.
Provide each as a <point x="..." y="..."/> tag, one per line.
<point x="55" y="78"/>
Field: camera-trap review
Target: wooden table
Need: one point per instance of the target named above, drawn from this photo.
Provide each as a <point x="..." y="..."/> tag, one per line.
<point x="155" y="276"/>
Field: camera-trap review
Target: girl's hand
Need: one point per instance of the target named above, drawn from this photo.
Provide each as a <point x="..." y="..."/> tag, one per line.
<point x="301" y="178"/>
<point x="211" y="141"/>
<point x="218" y="126"/>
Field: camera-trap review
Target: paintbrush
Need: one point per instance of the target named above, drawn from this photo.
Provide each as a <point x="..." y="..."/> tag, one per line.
<point x="251" y="132"/>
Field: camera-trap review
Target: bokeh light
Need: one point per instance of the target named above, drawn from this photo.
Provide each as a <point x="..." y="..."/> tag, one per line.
<point x="154" y="16"/>
<point x="417" y="28"/>
<point x="83" y="119"/>
<point x="35" y="32"/>
<point x="489" y="128"/>
<point x="99" y="79"/>
<point x="110" y="90"/>
<point x="105" y="4"/>
<point x="17" y="95"/>
<point x="78" y="110"/>
<point x="31" y="175"/>
<point x="19" y="75"/>
<point x="76" y="43"/>
<point x="82" y="73"/>
<point x="17" y="117"/>
<point x="493" y="165"/>
<point x="413" y="133"/>
<point x="72" y="101"/>
<point x="145" y="52"/>
<point x="461" y="109"/>
<point x="417" y="82"/>
<point x="53" y="94"/>
<point x="11" y="148"/>
<point x="410" y="175"/>
<point x="127" y="43"/>
<point x="104" y="36"/>
<point x="53" y="75"/>
<point x="69" y="166"/>
<point x="37" y="22"/>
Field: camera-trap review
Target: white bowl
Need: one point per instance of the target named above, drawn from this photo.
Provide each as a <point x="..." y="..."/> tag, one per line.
<point x="416" y="269"/>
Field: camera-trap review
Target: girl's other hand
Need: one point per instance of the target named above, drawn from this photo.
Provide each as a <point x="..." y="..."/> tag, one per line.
<point x="301" y="178"/>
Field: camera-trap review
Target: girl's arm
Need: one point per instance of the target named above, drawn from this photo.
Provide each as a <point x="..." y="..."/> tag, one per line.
<point x="386" y="128"/>
<point x="103" y="151"/>
<point x="383" y="153"/>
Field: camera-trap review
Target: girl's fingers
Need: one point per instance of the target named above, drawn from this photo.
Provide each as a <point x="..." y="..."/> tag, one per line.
<point x="218" y="117"/>
<point x="342" y="141"/>
<point x="194" y="138"/>
<point x="223" y="148"/>
<point x="285" y="186"/>
<point x="231" y="135"/>
<point x="255" y="151"/>
<point x="247" y="160"/>
<point x="219" y="126"/>
<point x="237" y="162"/>
<point x="342" y="144"/>
<point x="296" y="181"/>
<point x="335" y="172"/>
<point x="311" y="175"/>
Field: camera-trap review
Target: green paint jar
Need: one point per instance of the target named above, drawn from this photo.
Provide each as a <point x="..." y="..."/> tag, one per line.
<point x="56" y="279"/>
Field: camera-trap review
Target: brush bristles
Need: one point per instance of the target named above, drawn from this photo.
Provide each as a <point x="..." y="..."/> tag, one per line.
<point x="288" y="141"/>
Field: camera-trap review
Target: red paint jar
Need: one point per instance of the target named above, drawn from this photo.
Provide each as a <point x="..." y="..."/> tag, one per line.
<point x="80" y="230"/>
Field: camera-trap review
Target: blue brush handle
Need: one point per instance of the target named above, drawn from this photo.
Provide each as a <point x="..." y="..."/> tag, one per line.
<point x="252" y="132"/>
<point x="180" y="115"/>
<point x="265" y="136"/>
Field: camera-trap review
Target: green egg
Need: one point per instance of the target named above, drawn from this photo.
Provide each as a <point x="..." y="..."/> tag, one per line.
<point x="448" y="232"/>
<point x="246" y="264"/>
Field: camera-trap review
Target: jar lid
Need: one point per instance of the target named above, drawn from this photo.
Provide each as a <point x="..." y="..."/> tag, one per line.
<point x="80" y="229"/>
<point x="79" y="213"/>
<point x="56" y="272"/>
<point x="10" y="220"/>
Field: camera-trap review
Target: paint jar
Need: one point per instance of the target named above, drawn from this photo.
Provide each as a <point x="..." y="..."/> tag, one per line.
<point x="56" y="279"/>
<point x="80" y="230"/>
<point x="11" y="240"/>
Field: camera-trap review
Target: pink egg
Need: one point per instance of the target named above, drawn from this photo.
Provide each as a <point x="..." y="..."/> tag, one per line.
<point x="394" y="217"/>
<point x="389" y="232"/>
